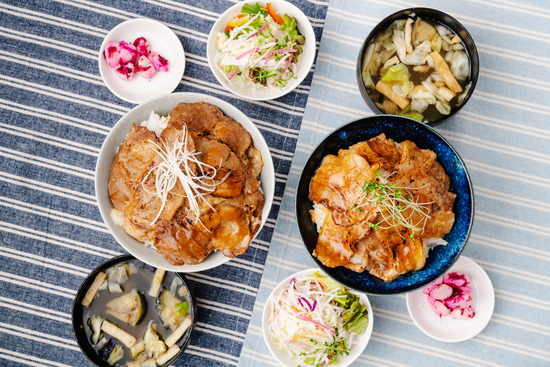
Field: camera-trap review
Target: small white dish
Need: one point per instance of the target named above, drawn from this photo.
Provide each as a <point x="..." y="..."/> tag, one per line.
<point x="446" y="329"/>
<point x="162" y="106"/>
<point x="162" y="40"/>
<point x="343" y="361"/>
<point x="305" y="61"/>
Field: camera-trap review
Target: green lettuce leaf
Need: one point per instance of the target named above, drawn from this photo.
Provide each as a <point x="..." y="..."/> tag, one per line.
<point x="329" y="282"/>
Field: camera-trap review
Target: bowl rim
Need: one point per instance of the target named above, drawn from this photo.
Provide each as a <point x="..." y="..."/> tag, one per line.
<point x="105" y="204"/>
<point x="89" y="280"/>
<point x="474" y="67"/>
<point x="471" y="201"/>
<point x="272" y="349"/>
<point x="304" y="26"/>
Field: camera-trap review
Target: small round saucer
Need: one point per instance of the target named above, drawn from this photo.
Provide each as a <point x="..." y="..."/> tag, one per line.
<point x="162" y="40"/>
<point x="446" y="329"/>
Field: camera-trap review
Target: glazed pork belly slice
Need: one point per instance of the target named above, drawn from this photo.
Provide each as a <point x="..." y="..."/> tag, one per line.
<point x="230" y="228"/>
<point x="138" y="206"/>
<point x="135" y="157"/>
<point x="225" y="224"/>
<point x="198" y="117"/>
<point x="230" y="177"/>
<point x="379" y="151"/>
<point x="333" y="245"/>
<point x="336" y="244"/>
<point x="428" y="189"/>
<point x="205" y="119"/>
<point x="392" y="252"/>
<point x="338" y="184"/>
<point x="181" y="244"/>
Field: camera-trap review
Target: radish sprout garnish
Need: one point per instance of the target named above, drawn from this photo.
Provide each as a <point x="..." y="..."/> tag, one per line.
<point x="180" y="164"/>
<point x="395" y="201"/>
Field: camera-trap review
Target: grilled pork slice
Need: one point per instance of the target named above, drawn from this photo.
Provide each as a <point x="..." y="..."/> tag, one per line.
<point x="136" y="156"/>
<point x="333" y="245"/>
<point x="338" y="184"/>
<point x="230" y="177"/>
<point x="207" y="119"/>
<point x="391" y="252"/>
<point x="180" y="245"/>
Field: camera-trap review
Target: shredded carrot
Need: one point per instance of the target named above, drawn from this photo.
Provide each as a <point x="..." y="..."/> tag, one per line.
<point x="322" y="284"/>
<point x="296" y="309"/>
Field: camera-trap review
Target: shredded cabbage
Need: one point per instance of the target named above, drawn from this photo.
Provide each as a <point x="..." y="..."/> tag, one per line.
<point x="410" y="113"/>
<point x="417" y="57"/>
<point x="397" y="73"/>
<point x="419" y="105"/>
<point x="460" y="65"/>
<point x="423" y="93"/>
<point x="403" y="89"/>
<point x="443" y="107"/>
<point x="367" y="79"/>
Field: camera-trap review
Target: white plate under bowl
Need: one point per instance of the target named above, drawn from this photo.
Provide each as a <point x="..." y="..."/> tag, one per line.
<point x="162" y="40"/>
<point x="162" y="106"/>
<point x="343" y="361"/>
<point x="305" y="61"/>
<point x="444" y="328"/>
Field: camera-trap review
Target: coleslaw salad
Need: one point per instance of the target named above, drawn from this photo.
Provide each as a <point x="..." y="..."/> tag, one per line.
<point x="311" y="320"/>
<point x="259" y="49"/>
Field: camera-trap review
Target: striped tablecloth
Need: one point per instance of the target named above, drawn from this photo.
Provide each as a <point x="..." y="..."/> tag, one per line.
<point x="503" y="135"/>
<point x="56" y="112"/>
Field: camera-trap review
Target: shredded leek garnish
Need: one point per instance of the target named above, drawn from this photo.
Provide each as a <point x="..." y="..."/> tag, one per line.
<point x="180" y="164"/>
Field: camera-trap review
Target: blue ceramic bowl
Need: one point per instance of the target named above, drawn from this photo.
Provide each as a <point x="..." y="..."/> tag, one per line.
<point x="397" y="128"/>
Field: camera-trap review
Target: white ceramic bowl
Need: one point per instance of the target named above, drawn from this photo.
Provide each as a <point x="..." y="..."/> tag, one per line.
<point x="305" y="61"/>
<point x="283" y="358"/>
<point x="162" y="106"/>
<point x="449" y="330"/>
<point x="162" y="40"/>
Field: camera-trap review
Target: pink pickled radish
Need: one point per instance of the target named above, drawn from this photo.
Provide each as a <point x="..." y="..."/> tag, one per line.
<point x="462" y="314"/>
<point x="456" y="279"/>
<point x="128" y="52"/>
<point x="142" y="46"/>
<point x="145" y="67"/>
<point x="112" y="54"/>
<point x="441" y="292"/>
<point x="438" y="307"/>
<point x="460" y="301"/>
<point x="427" y="289"/>
<point x="465" y="289"/>
<point x="451" y="295"/>
<point x="126" y="71"/>
<point x="159" y="62"/>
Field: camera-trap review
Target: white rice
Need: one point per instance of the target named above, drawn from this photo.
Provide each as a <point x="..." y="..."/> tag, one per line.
<point x="156" y="123"/>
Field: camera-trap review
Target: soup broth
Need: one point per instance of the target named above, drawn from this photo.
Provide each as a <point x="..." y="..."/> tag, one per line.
<point x="140" y="279"/>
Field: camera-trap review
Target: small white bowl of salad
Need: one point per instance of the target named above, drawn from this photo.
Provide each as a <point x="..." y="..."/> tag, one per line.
<point x="261" y="51"/>
<point x="311" y="320"/>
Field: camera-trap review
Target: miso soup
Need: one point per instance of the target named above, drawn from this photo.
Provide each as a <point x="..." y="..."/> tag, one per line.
<point x="138" y="315"/>
<point x="417" y="68"/>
